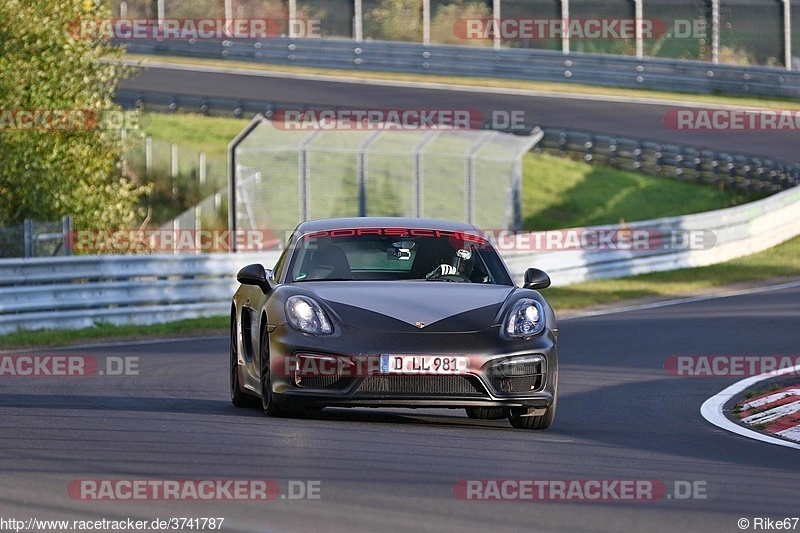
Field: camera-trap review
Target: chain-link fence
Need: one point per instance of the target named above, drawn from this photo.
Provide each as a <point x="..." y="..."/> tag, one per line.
<point x="34" y="238"/>
<point x="283" y="177"/>
<point x="150" y="156"/>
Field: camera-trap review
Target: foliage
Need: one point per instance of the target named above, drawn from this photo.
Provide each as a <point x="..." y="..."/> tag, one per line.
<point x="47" y="173"/>
<point x="401" y="20"/>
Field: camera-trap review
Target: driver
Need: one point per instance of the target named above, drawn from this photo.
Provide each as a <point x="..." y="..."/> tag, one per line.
<point x="460" y="263"/>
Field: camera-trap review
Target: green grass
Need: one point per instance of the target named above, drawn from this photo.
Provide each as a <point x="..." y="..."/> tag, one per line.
<point x="203" y="134"/>
<point x="104" y="332"/>
<point x="501" y="83"/>
<point x="782" y="261"/>
<point x="561" y="193"/>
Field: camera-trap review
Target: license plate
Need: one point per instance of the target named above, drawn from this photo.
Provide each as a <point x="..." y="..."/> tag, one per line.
<point x="423" y="364"/>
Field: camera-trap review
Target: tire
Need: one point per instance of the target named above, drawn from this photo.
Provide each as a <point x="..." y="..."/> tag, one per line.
<point x="487" y="413"/>
<point x="268" y="403"/>
<point x="238" y="398"/>
<point x="533" y="422"/>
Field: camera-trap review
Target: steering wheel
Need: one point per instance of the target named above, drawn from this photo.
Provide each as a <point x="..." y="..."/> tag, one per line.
<point x="457" y="278"/>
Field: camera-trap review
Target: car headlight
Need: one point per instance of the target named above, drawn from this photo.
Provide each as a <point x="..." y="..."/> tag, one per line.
<point x="525" y="319"/>
<point x="306" y="315"/>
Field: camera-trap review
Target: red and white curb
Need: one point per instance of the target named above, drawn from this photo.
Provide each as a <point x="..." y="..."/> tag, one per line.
<point x="783" y="410"/>
<point x="776" y="412"/>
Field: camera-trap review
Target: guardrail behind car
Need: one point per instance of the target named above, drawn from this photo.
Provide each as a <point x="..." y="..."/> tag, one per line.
<point x="510" y="63"/>
<point x="79" y="291"/>
<point x="74" y="292"/>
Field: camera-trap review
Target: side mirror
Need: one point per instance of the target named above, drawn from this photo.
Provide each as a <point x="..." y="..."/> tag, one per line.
<point x="536" y="279"/>
<point x="255" y="274"/>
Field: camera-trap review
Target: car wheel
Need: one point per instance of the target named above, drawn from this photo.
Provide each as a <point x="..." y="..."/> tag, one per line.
<point x="533" y="422"/>
<point x="238" y="398"/>
<point x="268" y="403"/>
<point x="487" y="413"/>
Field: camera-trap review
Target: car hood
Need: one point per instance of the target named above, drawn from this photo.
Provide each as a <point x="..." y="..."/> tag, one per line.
<point x="425" y="306"/>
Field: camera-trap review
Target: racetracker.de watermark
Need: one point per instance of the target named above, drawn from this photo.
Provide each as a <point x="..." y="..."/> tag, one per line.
<point x="64" y="366"/>
<point x="178" y="241"/>
<point x="731" y="365"/>
<point x="378" y="119"/>
<point x="591" y="490"/>
<point x="69" y="119"/>
<point x="732" y="119"/>
<point x="599" y="239"/>
<point x="197" y="29"/>
<point x="193" y="489"/>
<point x="516" y="29"/>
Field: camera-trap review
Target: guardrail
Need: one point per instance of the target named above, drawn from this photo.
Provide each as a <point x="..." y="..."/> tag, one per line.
<point x="724" y="234"/>
<point x="73" y="292"/>
<point x="748" y="172"/>
<point x="510" y="63"/>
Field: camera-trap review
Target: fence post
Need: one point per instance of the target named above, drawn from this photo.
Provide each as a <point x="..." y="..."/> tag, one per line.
<point x="66" y="230"/>
<point x="787" y="34"/>
<point x="292" y="17"/>
<point x="202" y="164"/>
<point x="305" y="173"/>
<point x="419" y="173"/>
<point x="148" y="153"/>
<point x="28" y="237"/>
<point x="715" y="31"/>
<point x="426" y="22"/>
<point x="161" y="15"/>
<point x="471" y="157"/>
<point x="496" y="16"/>
<point x="358" y="22"/>
<point x="638" y="16"/>
<point x="197" y="224"/>
<point x="363" y="172"/>
<point x="565" y="18"/>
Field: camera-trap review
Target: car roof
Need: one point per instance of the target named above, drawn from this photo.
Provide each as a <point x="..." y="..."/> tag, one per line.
<point x="383" y="222"/>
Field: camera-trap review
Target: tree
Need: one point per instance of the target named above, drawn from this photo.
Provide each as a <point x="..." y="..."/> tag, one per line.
<point x="51" y="170"/>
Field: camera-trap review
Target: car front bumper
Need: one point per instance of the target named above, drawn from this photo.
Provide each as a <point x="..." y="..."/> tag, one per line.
<point x="351" y="377"/>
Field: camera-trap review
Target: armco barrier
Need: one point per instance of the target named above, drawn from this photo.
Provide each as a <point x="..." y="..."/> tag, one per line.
<point x="73" y="292"/>
<point x="511" y="63"/>
<point x="78" y="291"/>
<point x="736" y="232"/>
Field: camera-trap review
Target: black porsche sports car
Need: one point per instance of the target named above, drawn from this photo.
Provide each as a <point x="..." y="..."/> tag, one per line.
<point x="393" y="312"/>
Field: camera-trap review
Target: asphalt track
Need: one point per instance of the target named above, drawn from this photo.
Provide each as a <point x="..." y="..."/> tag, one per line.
<point x="631" y="118"/>
<point x="620" y="416"/>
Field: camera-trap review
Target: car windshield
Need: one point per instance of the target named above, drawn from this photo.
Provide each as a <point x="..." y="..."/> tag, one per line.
<point x="396" y="254"/>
